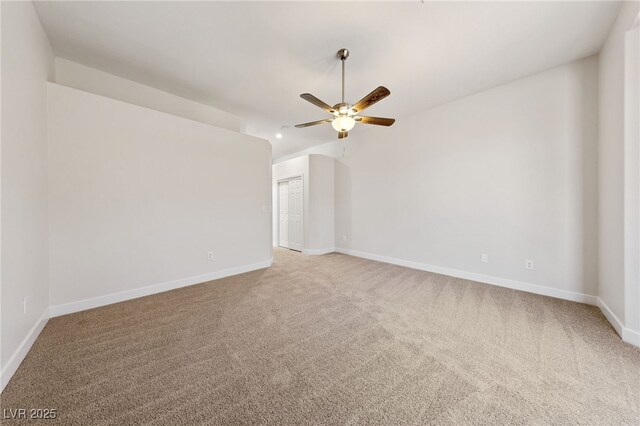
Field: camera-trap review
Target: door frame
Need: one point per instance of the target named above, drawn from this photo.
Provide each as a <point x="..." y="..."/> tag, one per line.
<point x="287" y="179"/>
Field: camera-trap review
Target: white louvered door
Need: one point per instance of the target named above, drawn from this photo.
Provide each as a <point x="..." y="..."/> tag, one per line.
<point x="283" y="211"/>
<point x="290" y="205"/>
<point x="295" y="214"/>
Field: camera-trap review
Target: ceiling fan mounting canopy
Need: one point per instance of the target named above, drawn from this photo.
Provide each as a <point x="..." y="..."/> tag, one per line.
<point x="345" y="115"/>
<point x="343" y="54"/>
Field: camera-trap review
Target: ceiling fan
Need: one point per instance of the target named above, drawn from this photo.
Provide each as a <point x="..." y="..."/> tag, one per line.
<point x="345" y="115"/>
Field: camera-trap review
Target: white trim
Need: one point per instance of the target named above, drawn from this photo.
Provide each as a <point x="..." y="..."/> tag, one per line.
<point x="631" y="337"/>
<point x="318" y="251"/>
<point x="19" y="355"/>
<point x="486" y="279"/>
<point x="626" y="334"/>
<point x="610" y="316"/>
<point x="288" y="178"/>
<point x="95" y="302"/>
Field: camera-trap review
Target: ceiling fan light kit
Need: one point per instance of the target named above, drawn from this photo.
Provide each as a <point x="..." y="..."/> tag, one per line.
<point x="343" y="123"/>
<point x="344" y="114"/>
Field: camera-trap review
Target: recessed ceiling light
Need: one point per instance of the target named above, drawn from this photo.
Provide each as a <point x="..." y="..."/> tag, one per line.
<point x="279" y="135"/>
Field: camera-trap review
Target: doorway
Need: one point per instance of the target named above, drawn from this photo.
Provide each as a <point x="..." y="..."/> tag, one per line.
<point x="290" y="208"/>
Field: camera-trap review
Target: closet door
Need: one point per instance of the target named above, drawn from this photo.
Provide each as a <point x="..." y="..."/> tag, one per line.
<point x="283" y="211"/>
<point x="295" y="214"/>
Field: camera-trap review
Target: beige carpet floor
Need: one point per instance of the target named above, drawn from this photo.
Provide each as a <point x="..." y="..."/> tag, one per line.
<point x="332" y="339"/>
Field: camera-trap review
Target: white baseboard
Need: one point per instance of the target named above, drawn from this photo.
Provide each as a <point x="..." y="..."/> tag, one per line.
<point x="19" y="355"/>
<point x="626" y="334"/>
<point x="610" y="316"/>
<point x="318" y="251"/>
<point x="95" y="302"/>
<point x="630" y="336"/>
<point x="486" y="279"/>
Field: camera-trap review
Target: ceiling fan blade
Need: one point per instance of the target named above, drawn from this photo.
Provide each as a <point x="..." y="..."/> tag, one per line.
<point x="317" y="102"/>
<point x="314" y="123"/>
<point x="379" y="121"/>
<point x="342" y="135"/>
<point x="376" y="95"/>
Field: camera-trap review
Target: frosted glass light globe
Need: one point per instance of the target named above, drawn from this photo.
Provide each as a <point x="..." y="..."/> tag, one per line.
<point x="343" y="123"/>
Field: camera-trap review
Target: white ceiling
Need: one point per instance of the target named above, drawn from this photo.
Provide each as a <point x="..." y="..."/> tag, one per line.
<point x="254" y="59"/>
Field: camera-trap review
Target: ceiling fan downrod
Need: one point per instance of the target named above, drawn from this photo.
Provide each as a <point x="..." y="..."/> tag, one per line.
<point x="343" y="54"/>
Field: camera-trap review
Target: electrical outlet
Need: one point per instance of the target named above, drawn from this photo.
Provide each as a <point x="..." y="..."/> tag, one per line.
<point x="484" y="258"/>
<point x="344" y="238"/>
<point x="210" y="255"/>
<point x="528" y="264"/>
<point x="24" y="305"/>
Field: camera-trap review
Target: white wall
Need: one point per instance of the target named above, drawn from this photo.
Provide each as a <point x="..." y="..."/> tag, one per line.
<point x="101" y="83"/>
<point x="334" y="149"/>
<point x="611" y="162"/>
<point x="138" y="197"/>
<point x="632" y="179"/>
<point x="510" y="172"/>
<point x="321" y="204"/>
<point x="27" y="63"/>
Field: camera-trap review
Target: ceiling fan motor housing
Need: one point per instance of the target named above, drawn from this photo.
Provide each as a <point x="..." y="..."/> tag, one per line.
<point x="343" y="108"/>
